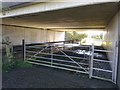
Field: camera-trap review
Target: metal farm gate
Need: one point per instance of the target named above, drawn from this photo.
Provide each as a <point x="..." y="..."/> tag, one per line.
<point x="72" y="57"/>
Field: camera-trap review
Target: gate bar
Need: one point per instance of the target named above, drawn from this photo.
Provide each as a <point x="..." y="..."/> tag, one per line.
<point x="59" y="60"/>
<point x="71" y="59"/>
<point x="57" y="55"/>
<point x="58" y="67"/>
<point x="72" y="66"/>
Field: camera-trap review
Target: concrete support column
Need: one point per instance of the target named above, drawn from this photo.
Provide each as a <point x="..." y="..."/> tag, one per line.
<point x="45" y="35"/>
<point x="118" y="71"/>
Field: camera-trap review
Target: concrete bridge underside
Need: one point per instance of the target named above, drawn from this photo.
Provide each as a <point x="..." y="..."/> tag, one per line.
<point x="46" y="25"/>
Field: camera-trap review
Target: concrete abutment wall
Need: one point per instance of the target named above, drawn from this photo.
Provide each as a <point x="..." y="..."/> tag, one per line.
<point x="112" y="35"/>
<point x="16" y="34"/>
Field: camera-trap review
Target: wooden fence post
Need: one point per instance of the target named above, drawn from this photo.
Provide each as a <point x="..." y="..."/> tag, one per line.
<point x="24" y="49"/>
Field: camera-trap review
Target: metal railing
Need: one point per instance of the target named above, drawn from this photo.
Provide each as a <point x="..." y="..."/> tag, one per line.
<point x="71" y="57"/>
<point x="57" y="55"/>
<point x="109" y="72"/>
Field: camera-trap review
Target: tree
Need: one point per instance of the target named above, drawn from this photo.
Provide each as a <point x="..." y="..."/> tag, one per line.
<point x="68" y="36"/>
<point x="98" y="37"/>
<point x="74" y="36"/>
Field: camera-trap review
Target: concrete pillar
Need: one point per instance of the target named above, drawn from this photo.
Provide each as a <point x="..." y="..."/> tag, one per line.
<point x="118" y="71"/>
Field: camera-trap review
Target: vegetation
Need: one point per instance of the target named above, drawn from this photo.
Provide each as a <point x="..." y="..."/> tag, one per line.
<point x="8" y="48"/>
<point x="98" y="37"/>
<point x="11" y="61"/>
<point x="74" y="36"/>
<point x="16" y="64"/>
<point x="8" y="66"/>
<point x="23" y="64"/>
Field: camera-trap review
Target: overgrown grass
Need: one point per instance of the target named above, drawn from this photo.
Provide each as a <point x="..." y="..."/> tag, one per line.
<point x="16" y="64"/>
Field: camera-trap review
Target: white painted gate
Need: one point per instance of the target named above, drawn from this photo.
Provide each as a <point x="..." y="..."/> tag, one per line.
<point x="46" y="54"/>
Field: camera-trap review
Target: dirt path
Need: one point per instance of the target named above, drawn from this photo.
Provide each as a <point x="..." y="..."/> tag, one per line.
<point x="45" y="77"/>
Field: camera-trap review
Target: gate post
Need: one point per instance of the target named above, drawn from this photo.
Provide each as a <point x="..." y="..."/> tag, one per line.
<point x="24" y="49"/>
<point x="91" y="62"/>
<point x="51" y="55"/>
<point x="115" y="62"/>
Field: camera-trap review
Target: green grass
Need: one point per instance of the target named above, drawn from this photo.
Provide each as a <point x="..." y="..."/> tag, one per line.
<point x="16" y="64"/>
<point x="24" y="64"/>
